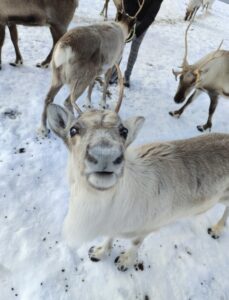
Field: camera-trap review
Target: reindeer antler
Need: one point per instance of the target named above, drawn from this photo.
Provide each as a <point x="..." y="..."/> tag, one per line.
<point x="185" y="60"/>
<point x="140" y="8"/>
<point x="121" y="88"/>
<point x="123" y="6"/>
<point x="185" y="63"/>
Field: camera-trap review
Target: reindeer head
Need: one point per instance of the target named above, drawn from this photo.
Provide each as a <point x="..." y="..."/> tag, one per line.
<point x="97" y="140"/>
<point x="130" y="21"/>
<point x="186" y="84"/>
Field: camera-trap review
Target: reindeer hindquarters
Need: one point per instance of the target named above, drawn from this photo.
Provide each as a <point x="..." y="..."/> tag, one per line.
<point x="14" y="39"/>
<point x="213" y="104"/>
<point x="56" y="32"/>
<point x="2" y="38"/>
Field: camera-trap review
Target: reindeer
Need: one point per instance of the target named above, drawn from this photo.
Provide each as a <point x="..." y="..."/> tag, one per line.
<point x="83" y="54"/>
<point x="207" y="4"/>
<point x="210" y="75"/>
<point x="117" y="3"/>
<point x="194" y="6"/>
<point x="56" y="14"/>
<point x="119" y="191"/>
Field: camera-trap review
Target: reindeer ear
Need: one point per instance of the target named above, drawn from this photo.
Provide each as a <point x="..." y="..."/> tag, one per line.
<point x="133" y="125"/>
<point x="59" y="120"/>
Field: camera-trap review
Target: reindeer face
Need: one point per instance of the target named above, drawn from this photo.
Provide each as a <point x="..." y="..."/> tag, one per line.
<point x="97" y="141"/>
<point x="186" y="85"/>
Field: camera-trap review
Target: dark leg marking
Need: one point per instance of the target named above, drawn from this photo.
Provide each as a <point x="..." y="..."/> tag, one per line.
<point x="177" y="113"/>
<point x="213" y="104"/>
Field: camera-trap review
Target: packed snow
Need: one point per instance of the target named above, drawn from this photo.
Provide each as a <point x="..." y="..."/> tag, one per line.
<point x="181" y="261"/>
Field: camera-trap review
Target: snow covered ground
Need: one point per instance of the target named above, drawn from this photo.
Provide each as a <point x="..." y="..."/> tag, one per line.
<point x="181" y="261"/>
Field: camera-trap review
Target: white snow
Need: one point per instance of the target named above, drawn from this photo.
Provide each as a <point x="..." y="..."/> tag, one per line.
<point x="181" y="260"/>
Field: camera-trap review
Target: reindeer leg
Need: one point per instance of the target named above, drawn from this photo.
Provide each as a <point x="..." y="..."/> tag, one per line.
<point x="68" y="105"/>
<point x="56" y="32"/>
<point x="107" y="77"/>
<point x="77" y="90"/>
<point x="97" y="253"/>
<point x="89" y="92"/>
<point x="212" y="107"/>
<point x="49" y="99"/>
<point x="216" y="230"/>
<point x="14" y="39"/>
<point x="105" y="9"/>
<point x="177" y="113"/>
<point x="129" y="258"/>
<point x="2" y="38"/>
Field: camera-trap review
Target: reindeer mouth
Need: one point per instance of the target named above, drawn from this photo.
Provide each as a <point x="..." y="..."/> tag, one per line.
<point x="102" y="180"/>
<point x="104" y="173"/>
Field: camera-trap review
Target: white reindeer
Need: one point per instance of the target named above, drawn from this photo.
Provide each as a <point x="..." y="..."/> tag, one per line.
<point x="210" y="75"/>
<point x="83" y="54"/>
<point x="194" y="5"/>
<point x="207" y="4"/>
<point x="56" y="14"/>
<point x="117" y="3"/>
<point x="119" y="191"/>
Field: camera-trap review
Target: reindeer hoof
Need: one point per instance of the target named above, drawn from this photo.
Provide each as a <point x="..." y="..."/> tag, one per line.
<point x="92" y="254"/>
<point x="42" y="65"/>
<point x="87" y="106"/>
<point x="139" y="266"/>
<point x="174" y="114"/>
<point x="121" y="267"/>
<point x="43" y="132"/>
<point x="200" y="128"/>
<point x="16" y="63"/>
<point x="104" y="106"/>
<point x="212" y="234"/>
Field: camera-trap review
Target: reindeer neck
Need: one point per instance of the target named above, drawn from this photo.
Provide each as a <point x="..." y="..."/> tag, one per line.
<point x="124" y="28"/>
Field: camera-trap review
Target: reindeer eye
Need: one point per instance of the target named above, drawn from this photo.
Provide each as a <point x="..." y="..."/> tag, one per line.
<point x="123" y="131"/>
<point x="74" y="130"/>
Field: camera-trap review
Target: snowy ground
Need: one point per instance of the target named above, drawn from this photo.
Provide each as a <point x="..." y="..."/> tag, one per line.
<point x="181" y="261"/>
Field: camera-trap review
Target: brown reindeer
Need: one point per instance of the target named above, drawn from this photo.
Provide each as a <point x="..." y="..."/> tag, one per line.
<point x="210" y="74"/>
<point x="83" y="54"/>
<point x="56" y="14"/>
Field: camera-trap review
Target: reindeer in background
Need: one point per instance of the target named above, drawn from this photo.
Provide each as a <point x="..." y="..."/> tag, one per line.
<point x="194" y="5"/>
<point x="56" y="14"/>
<point x="83" y="54"/>
<point x="210" y="75"/>
<point x="117" y="3"/>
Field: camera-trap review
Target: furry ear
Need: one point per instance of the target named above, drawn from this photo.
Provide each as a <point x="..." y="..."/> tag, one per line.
<point x="59" y="120"/>
<point x="133" y="125"/>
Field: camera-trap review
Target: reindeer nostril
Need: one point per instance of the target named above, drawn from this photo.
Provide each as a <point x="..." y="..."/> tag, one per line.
<point x="118" y="160"/>
<point x="91" y="159"/>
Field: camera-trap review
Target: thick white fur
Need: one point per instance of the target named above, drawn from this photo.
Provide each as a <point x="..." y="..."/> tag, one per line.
<point x="135" y="206"/>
